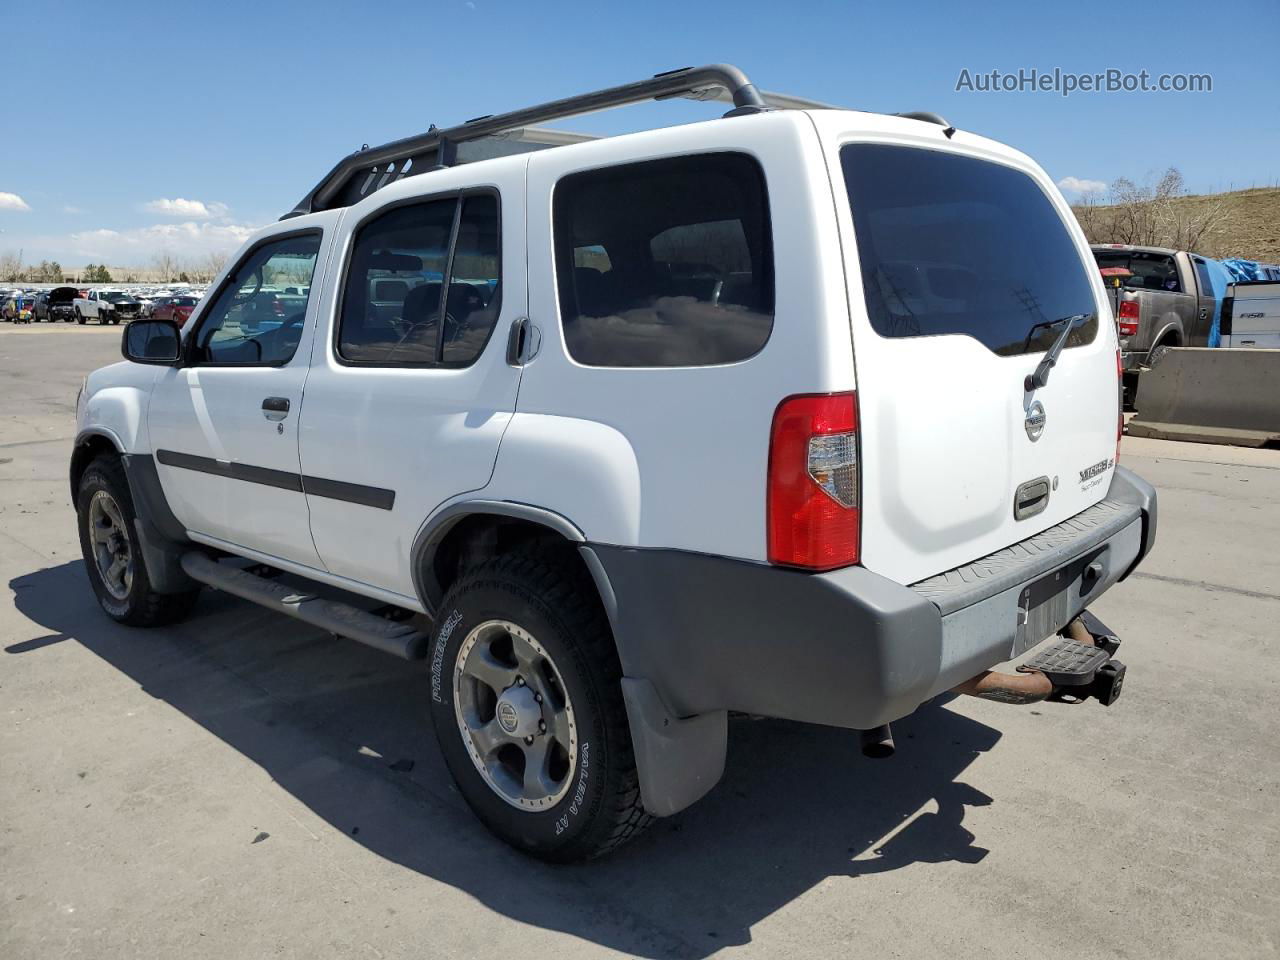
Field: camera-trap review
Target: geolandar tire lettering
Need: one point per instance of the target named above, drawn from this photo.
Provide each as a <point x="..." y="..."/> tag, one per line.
<point x="527" y="705"/>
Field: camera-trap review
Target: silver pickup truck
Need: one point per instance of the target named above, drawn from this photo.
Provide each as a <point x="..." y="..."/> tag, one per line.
<point x="1251" y="314"/>
<point x="1161" y="298"/>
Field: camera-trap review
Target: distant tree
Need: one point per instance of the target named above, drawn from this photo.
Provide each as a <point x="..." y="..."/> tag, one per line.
<point x="11" y="267"/>
<point x="165" y="266"/>
<point x="213" y="264"/>
<point x="104" y="275"/>
<point x="183" y="278"/>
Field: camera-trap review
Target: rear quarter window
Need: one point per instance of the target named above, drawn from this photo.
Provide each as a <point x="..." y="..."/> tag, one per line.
<point x="665" y="263"/>
<point x="949" y="244"/>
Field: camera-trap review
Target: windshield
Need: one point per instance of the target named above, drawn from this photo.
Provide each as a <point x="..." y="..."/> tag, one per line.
<point x="955" y="245"/>
<point x="115" y="297"/>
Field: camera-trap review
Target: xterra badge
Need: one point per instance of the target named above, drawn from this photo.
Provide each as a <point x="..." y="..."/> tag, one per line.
<point x="1089" y="475"/>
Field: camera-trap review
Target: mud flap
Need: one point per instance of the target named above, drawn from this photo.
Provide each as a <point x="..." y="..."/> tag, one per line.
<point x="678" y="760"/>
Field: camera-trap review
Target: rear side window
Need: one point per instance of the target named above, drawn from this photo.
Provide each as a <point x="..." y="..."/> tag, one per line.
<point x="955" y="245"/>
<point x="666" y="263"/>
<point x="423" y="285"/>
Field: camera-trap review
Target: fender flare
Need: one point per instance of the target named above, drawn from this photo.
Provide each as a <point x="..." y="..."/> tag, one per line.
<point x="438" y="525"/>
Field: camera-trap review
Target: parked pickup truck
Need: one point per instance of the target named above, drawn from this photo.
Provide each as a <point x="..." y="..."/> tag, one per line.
<point x="1251" y="314"/>
<point x="572" y="464"/>
<point x="56" y="304"/>
<point x="106" y="306"/>
<point x="1167" y="300"/>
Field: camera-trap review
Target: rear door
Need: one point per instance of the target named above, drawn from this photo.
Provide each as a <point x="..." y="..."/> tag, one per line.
<point x="1208" y="300"/>
<point x="963" y="265"/>
<point x="410" y="389"/>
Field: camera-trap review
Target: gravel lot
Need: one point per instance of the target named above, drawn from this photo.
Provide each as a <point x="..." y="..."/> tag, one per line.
<point x="244" y="786"/>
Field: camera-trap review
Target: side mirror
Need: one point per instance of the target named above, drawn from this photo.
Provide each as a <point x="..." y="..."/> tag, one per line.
<point x="152" y="341"/>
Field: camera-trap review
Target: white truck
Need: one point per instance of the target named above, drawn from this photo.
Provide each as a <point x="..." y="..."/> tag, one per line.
<point x="804" y="413"/>
<point x="1251" y="314"/>
<point x="106" y="306"/>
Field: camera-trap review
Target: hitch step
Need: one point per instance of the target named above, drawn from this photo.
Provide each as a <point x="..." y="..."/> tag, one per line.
<point x="1068" y="663"/>
<point x="1079" y="671"/>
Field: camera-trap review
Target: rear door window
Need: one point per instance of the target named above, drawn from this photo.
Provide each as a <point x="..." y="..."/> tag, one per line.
<point x="423" y="288"/>
<point x="665" y="263"/>
<point x="949" y="244"/>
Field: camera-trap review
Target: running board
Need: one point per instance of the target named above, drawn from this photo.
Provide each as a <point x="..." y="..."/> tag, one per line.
<point x="342" y="619"/>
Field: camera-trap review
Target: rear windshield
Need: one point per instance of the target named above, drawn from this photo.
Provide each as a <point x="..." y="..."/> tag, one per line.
<point x="1149" y="271"/>
<point x="955" y="245"/>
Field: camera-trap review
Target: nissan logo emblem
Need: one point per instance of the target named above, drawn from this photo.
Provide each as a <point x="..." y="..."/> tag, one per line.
<point x="1035" y="421"/>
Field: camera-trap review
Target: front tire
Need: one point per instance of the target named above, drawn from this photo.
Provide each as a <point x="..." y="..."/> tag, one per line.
<point x="527" y="705"/>
<point x="112" y="559"/>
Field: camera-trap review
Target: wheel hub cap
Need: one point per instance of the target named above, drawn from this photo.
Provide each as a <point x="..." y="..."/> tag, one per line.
<point x="518" y="712"/>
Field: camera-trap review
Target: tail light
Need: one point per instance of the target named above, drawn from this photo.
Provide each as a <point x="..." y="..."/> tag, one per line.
<point x="277" y="307"/>
<point x="813" y="518"/>
<point x="1128" y="318"/>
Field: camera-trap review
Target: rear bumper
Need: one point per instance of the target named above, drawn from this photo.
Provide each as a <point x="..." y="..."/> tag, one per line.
<point x="851" y="648"/>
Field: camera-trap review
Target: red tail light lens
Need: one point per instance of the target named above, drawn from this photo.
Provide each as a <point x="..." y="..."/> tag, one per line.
<point x="1128" y="318"/>
<point x="813" y="516"/>
<point x="277" y="307"/>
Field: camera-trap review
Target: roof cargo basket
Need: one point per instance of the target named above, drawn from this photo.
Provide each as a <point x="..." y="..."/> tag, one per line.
<point x="366" y="170"/>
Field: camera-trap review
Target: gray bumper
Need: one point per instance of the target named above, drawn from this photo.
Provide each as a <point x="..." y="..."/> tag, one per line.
<point x="849" y="648"/>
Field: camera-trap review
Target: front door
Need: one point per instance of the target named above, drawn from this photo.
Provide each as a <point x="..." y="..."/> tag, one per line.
<point x="224" y="425"/>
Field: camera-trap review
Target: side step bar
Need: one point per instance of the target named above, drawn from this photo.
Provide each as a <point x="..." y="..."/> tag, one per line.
<point x="399" y="639"/>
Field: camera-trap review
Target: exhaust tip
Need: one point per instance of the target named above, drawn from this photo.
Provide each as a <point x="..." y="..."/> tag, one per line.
<point x="877" y="743"/>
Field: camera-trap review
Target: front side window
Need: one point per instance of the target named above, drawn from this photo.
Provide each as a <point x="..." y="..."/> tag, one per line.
<point x="949" y="244"/>
<point x="665" y="263"/>
<point x="254" y="322"/>
<point x="423" y="287"/>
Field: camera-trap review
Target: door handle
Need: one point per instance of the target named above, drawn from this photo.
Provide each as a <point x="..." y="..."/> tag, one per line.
<point x="275" y="408"/>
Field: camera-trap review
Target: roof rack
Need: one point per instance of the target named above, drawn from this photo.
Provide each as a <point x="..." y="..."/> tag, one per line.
<point x="369" y="169"/>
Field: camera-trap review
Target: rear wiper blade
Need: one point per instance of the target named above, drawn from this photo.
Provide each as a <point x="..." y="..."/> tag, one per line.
<point x="1041" y="375"/>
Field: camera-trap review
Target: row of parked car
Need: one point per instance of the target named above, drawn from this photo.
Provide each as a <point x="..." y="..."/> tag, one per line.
<point x="101" y="304"/>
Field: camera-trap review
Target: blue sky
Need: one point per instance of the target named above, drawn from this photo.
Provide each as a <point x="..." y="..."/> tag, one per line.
<point x="237" y="108"/>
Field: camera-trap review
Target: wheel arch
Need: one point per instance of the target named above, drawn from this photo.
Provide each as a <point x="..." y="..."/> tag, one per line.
<point x="90" y="444"/>
<point x="476" y="529"/>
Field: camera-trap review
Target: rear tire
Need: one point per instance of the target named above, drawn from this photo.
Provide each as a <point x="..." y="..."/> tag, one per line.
<point x="79" y="317"/>
<point x="109" y="545"/>
<point x="538" y="618"/>
<point x="1158" y="353"/>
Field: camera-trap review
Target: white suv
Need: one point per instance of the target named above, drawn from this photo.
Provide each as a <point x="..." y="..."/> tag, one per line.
<point x="805" y="413"/>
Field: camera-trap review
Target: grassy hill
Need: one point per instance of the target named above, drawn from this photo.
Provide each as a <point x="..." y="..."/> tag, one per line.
<point x="1249" y="228"/>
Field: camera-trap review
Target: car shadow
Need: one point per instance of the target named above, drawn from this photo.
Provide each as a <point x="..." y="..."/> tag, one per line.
<point x="346" y="731"/>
